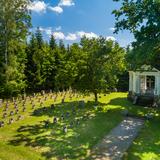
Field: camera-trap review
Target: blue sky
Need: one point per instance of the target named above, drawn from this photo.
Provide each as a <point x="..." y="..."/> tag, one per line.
<point x="71" y="19"/>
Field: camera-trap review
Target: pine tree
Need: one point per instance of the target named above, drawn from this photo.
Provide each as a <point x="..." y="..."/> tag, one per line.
<point x="39" y="38"/>
<point x="52" y="43"/>
<point x="62" y="48"/>
<point x="31" y="67"/>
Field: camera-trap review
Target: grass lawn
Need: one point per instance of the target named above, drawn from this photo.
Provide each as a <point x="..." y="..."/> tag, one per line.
<point x="30" y="139"/>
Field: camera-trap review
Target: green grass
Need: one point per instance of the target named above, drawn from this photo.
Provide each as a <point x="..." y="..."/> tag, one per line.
<point x="147" y="144"/>
<point x="29" y="139"/>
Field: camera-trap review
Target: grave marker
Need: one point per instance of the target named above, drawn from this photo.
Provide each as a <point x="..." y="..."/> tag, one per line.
<point x="65" y="129"/>
<point x="1" y="124"/>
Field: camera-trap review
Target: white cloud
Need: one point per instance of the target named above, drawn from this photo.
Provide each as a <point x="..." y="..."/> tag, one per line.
<point x="47" y="30"/>
<point x="41" y="7"/>
<point x="38" y="6"/>
<point x="59" y="35"/>
<point x="74" y="36"/>
<point x="71" y="37"/>
<point x="111" y="38"/>
<point x="87" y="34"/>
<point x="112" y="29"/>
<point x="58" y="28"/>
<point x="66" y="3"/>
<point x="56" y="9"/>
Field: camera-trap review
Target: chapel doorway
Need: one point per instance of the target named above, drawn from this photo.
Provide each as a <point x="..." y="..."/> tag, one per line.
<point x="150" y="84"/>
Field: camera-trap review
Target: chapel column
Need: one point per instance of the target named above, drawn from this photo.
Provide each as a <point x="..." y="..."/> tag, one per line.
<point x="157" y="84"/>
<point x="134" y="82"/>
<point x="137" y="83"/>
<point x="130" y="81"/>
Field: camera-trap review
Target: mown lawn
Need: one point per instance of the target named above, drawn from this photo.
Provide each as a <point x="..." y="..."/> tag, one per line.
<point x="147" y="144"/>
<point x="30" y="139"/>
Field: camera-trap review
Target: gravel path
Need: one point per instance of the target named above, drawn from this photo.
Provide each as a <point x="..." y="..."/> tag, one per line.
<point x="114" y="145"/>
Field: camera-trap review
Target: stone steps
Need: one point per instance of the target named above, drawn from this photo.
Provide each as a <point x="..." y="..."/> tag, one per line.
<point x="145" y="100"/>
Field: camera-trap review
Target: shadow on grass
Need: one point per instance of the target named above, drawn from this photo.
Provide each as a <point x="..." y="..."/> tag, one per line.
<point x="121" y="102"/>
<point x="135" y="110"/>
<point x="62" y="108"/>
<point x="147" y="143"/>
<point x="93" y="125"/>
<point x="89" y="125"/>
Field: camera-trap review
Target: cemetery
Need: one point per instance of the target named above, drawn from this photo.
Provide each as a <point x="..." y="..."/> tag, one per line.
<point x="79" y="80"/>
<point x="60" y="128"/>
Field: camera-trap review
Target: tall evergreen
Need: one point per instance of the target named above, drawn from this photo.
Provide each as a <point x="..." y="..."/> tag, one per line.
<point x="52" y="43"/>
<point x="40" y="67"/>
<point x="62" y="48"/>
<point x="31" y="67"/>
<point x="39" y="38"/>
<point x="38" y="59"/>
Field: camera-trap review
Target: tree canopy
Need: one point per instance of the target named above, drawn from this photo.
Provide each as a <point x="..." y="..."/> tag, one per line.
<point x="28" y="63"/>
<point x="102" y="61"/>
<point x="142" y="18"/>
<point x="14" y="25"/>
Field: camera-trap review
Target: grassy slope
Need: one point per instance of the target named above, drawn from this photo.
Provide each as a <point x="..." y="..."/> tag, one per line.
<point x="29" y="139"/>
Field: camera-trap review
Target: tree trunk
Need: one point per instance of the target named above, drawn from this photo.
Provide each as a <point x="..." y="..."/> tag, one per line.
<point x="96" y="97"/>
<point x="6" y="46"/>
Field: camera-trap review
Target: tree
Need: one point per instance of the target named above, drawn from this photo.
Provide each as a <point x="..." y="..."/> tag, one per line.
<point x="15" y="21"/>
<point x="61" y="45"/>
<point x="60" y="66"/>
<point x="48" y="68"/>
<point x="142" y="18"/>
<point x="52" y="43"/>
<point x="68" y="68"/>
<point x="39" y="38"/>
<point x="31" y="67"/>
<point x="96" y="71"/>
<point x="49" y="65"/>
<point x="39" y="63"/>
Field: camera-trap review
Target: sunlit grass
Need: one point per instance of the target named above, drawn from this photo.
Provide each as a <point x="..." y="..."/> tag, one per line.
<point x="29" y="136"/>
<point x="29" y="139"/>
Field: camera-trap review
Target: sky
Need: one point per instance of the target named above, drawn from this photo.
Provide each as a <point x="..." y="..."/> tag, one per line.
<point x="70" y="20"/>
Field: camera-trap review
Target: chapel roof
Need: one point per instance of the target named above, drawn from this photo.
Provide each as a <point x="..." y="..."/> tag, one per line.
<point x="147" y="68"/>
